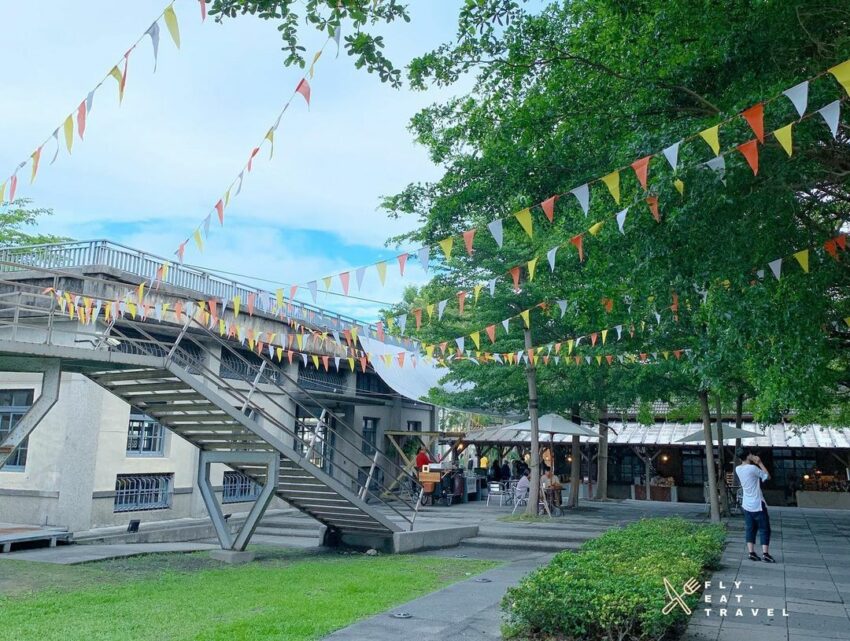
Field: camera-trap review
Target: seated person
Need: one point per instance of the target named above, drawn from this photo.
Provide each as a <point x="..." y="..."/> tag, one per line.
<point x="552" y="486"/>
<point x="523" y="485"/>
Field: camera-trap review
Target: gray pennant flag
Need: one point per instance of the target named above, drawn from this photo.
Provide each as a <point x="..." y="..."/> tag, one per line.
<point x="799" y="97"/>
<point x="90" y="100"/>
<point x="460" y="342"/>
<point x="672" y="154"/>
<point x="56" y="138"/>
<point x="718" y="164"/>
<point x="831" y="113"/>
<point x="563" y="305"/>
<point x="619" y="329"/>
<point x="550" y="256"/>
<point x="441" y="307"/>
<point x="621" y="219"/>
<point x="241" y="177"/>
<point x="506" y="324"/>
<point x="582" y="194"/>
<point x="495" y="228"/>
<point x="313" y="287"/>
<point x="359" y="274"/>
<point x="776" y="267"/>
<point x="424" y="254"/>
<point x="207" y="226"/>
<point x="401" y="321"/>
<point x="492" y="285"/>
<point x="153" y="32"/>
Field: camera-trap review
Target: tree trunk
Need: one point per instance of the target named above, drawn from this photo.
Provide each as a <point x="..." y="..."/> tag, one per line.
<point x="575" y="466"/>
<point x="602" y="456"/>
<point x="739" y="423"/>
<point x="721" y="458"/>
<point x="709" y="456"/>
<point x="531" y="376"/>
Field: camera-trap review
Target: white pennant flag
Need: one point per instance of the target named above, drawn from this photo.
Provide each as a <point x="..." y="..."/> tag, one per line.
<point x="157" y="310"/>
<point x="760" y="274"/>
<point x="241" y="177"/>
<point x="312" y="286"/>
<point x="506" y="324"/>
<point x="89" y="101"/>
<point x="55" y="153"/>
<point x="657" y="317"/>
<point x="582" y="194"/>
<point x="359" y="274"/>
<point x="498" y="358"/>
<point x="776" y="267"/>
<point x="587" y="358"/>
<point x="619" y="329"/>
<point x="621" y="219"/>
<point x="336" y="362"/>
<point x="718" y="164"/>
<point x="401" y="321"/>
<point x="495" y="228"/>
<point x="799" y="97"/>
<point x="153" y="32"/>
<point x="563" y="305"/>
<point x="460" y="341"/>
<point x="550" y="256"/>
<point x="304" y="358"/>
<point x="424" y="254"/>
<point x="672" y="154"/>
<point x="492" y="286"/>
<point x="831" y="113"/>
<point x="557" y="360"/>
<point x="441" y="307"/>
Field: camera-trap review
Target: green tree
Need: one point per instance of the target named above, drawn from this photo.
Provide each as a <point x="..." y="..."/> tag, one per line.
<point x="15" y="217"/>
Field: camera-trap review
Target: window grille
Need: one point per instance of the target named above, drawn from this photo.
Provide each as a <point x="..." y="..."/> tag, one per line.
<point x="236" y="368"/>
<point x="370" y="435"/>
<point x="136" y="492"/>
<point x="321" y="381"/>
<point x="693" y="467"/>
<point x="145" y="436"/>
<point x="238" y="488"/>
<point x="14" y="403"/>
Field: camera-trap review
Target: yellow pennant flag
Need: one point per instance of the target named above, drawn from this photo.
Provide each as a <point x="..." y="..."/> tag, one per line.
<point x="429" y="351"/>
<point x="198" y="241"/>
<point x="279" y="298"/>
<point x="382" y="271"/>
<point x="680" y="186"/>
<point x="594" y="230"/>
<point x="390" y="323"/>
<point x="446" y="245"/>
<point x="270" y="138"/>
<point x="299" y="340"/>
<point x="526" y="317"/>
<point x="36" y="156"/>
<point x="278" y="351"/>
<point x="315" y="361"/>
<point x="476" y="291"/>
<point x="524" y="219"/>
<point x="141" y="291"/>
<point x="226" y="198"/>
<point x="712" y="137"/>
<point x="842" y="75"/>
<point x="115" y="72"/>
<point x="351" y="364"/>
<point x="326" y="281"/>
<point x="3" y="192"/>
<point x="221" y="327"/>
<point x="476" y="338"/>
<point x="803" y="258"/>
<point x="783" y="136"/>
<point x="430" y="309"/>
<point x="68" y="128"/>
<point x="171" y="23"/>
<point x="570" y="344"/>
<point x="315" y="60"/>
<point x="604" y="335"/>
<point x="599" y="360"/>
<point x="237" y="304"/>
<point x="532" y="264"/>
<point x="612" y="182"/>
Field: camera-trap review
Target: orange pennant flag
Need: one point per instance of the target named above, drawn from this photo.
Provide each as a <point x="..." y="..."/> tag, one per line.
<point x="219" y="208"/>
<point x="515" y="276"/>
<point x="641" y="168"/>
<point x="36" y="156"/>
<point x="578" y="241"/>
<point x="750" y="151"/>
<point x="548" y="207"/>
<point x="652" y="201"/>
<point x="461" y="299"/>
<point x="417" y="314"/>
<point x="402" y="261"/>
<point x="468" y="235"/>
<point x="491" y="333"/>
<point x="81" y="119"/>
<point x="344" y="279"/>
<point x="755" y="118"/>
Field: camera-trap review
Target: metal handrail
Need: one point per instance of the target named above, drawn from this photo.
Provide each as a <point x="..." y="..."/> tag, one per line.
<point x="155" y="347"/>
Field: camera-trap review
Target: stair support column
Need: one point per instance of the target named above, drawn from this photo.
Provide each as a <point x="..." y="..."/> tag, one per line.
<point x="37" y="411"/>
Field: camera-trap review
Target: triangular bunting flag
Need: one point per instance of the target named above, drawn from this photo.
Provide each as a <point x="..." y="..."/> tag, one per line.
<point x="423" y="254"/>
<point x="562" y="305"/>
<point x="671" y="153"/>
<point x="803" y="258"/>
<point x="304" y="89"/>
<point x="491" y="333"/>
<point x="621" y="219"/>
<point x="842" y="75"/>
<point x="596" y="228"/>
<point x="476" y="338"/>
<point x="641" y="168"/>
<point x="171" y="23"/>
<point x="776" y="267"/>
<point x="344" y="279"/>
<point x="446" y="245"/>
<point x="441" y="307"/>
<point x="382" y="272"/>
<point x="799" y="97"/>
<point x="495" y="228"/>
<point x="548" y="207"/>
<point x="524" y="219"/>
<point x="532" y="265"/>
<point x="468" y="236"/>
<point x="750" y="151"/>
<point x="578" y="241"/>
<point x="550" y="256"/>
<point x="680" y="186"/>
<point x="402" y="262"/>
<point x="612" y="182"/>
<point x="582" y="195"/>
<point x="783" y="136"/>
<point x="526" y="317"/>
<point x="831" y="113"/>
<point x="515" y="275"/>
<point x="712" y="137"/>
<point x="755" y="118"/>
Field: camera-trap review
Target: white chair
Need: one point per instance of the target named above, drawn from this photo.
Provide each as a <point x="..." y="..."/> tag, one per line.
<point x="494" y="488"/>
<point x="520" y="499"/>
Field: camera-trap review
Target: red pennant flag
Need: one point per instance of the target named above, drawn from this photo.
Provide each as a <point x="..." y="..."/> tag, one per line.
<point x="81" y="119"/>
<point x="491" y="333"/>
<point x="400" y="359"/>
<point x="546" y="360"/>
<point x="557" y="348"/>
<point x="675" y="306"/>
<point x="203" y="10"/>
<point x="347" y="334"/>
<point x="468" y="235"/>
<point x="593" y="337"/>
<point x="609" y="358"/>
<point x="641" y="168"/>
<point x="652" y="201"/>
<point x="417" y="314"/>
<point x="304" y="89"/>
<point x="13" y="185"/>
<point x="344" y="279"/>
<point x="608" y="304"/>
<point x="461" y="299"/>
<point x="260" y="346"/>
<point x="325" y="362"/>
<point x="178" y="309"/>
<point x="363" y="363"/>
<point x="289" y="356"/>
<point x="252" y="298"/>
<point x="219" y="207"/>
<point x="402" y="261"/>
<point x="379" y="328"/>
<point x="515" y="276"/>
<point x="578" y="241"/>
<point x="181" y="250"/>
<point x="841" y="241"/>
<point x="677" y="353"/>
<point x="750" y="151"/>
<point x="548" y="207"/>
<point x="443" y="347"/>
<point x="254" y="152"/>
<point x="831" y="248"/>
<point x="755" y="118"/>
<point x="213" y="309"/>
<point x="578" y="360"/>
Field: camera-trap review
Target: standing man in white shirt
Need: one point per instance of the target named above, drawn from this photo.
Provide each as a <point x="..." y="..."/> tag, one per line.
<point x="751" y="472"/>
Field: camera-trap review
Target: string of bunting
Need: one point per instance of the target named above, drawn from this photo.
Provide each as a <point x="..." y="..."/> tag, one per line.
<point x="201" y="233"/>
<point x="78" y="120"/>
<point x="754" y="116"/>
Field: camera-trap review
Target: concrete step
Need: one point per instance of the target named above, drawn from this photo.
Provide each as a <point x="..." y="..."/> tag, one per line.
<point x="285" y="541"/>
<point x="287" y="531"/>
<point x="522" y="533"/>
<point x="535" y="545"/>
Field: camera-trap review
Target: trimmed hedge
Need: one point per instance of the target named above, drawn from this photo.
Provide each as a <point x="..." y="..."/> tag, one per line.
<point x="613" y="587"/>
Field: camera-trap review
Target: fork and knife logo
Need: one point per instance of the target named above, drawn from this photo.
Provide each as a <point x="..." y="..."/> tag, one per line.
<point x="676" y="599"/>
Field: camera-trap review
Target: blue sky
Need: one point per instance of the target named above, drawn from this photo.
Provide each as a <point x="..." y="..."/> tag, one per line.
<point x="150" y="170"/>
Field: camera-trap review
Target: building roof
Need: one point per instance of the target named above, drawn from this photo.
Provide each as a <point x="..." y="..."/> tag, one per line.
<point x="668" y="435"/>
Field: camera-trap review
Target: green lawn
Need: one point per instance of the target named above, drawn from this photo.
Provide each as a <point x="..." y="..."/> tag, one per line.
<point x="285" y="595"/>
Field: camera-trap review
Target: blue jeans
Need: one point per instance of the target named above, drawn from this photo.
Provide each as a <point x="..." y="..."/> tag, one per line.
<point x="757" y="521"/>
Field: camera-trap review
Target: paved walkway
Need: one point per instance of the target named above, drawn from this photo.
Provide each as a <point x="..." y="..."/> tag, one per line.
<point x="810" y="581"/>
<point x="73" y="554"/>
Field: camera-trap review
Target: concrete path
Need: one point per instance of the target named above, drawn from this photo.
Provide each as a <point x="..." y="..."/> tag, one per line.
<point x="73" y="554"/>
<point x="810" y="581"/>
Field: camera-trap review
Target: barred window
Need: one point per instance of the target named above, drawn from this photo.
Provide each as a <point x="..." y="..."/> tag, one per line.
<point x="14" y="403"/>
<point x="238" y="488"/>
<point x="145" y="436"/>
<point x="370" y="435"/>
<point x="693" y="466"/>
<point x="136" y="492"/>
